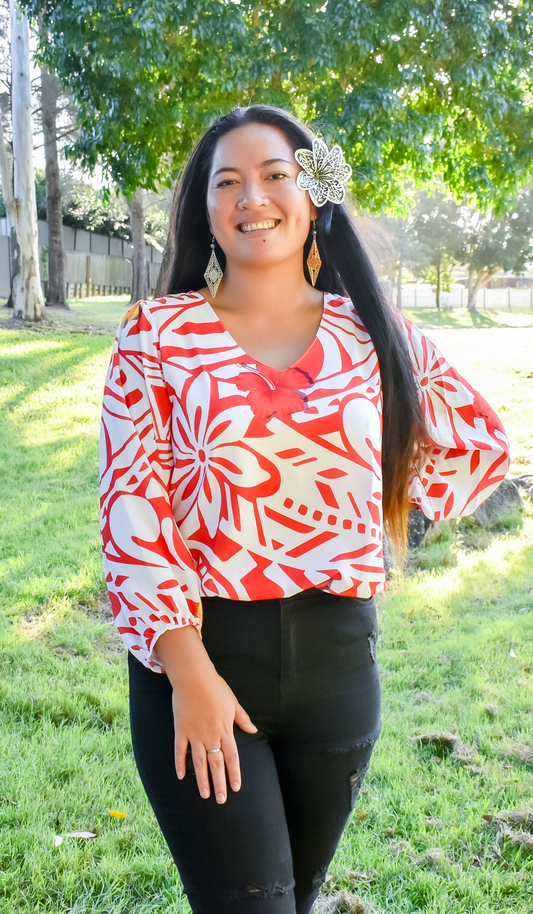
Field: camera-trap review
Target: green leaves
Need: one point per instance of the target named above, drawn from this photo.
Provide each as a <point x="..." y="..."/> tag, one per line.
<point x="433" y="91"/>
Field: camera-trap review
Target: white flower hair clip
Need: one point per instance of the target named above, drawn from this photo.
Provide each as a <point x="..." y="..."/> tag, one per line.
<point x="324" y="172"/>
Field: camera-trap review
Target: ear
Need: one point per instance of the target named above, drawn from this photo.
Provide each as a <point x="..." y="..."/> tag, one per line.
<point x="208" y="220"/>
<point x="313" y="212"/>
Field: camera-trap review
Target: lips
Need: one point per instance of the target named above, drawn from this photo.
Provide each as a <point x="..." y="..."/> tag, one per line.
<point x="248" y="227"/>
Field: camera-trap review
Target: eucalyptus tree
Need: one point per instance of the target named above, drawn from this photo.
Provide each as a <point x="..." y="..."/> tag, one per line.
<point x="27" y="293"/>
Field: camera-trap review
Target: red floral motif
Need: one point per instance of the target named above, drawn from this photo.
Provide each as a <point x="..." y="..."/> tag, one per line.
<point x="274" y="392"/>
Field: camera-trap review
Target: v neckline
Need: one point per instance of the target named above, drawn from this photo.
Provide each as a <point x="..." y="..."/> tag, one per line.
<point x="257" y="361"/>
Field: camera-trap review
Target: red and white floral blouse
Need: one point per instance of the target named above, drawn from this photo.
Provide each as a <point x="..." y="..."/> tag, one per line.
<point x="221" y="476"/>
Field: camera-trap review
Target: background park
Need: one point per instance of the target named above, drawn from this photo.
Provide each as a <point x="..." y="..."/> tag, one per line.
<point x="100" y="103"/>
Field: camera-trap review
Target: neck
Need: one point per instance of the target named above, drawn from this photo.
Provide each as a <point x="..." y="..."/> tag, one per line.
<point x="266" y="289"/>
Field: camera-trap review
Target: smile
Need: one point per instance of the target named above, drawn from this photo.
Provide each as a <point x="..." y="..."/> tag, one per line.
<point x="258" y="226"/>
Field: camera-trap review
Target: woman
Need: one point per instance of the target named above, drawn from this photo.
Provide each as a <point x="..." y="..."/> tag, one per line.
<point x="255" y="433"/>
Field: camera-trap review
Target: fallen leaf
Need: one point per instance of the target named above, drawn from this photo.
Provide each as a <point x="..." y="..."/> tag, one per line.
<point x="117" y="814"/>
<point x="58" y="839"/>
<point x="512" y="653"/>
<point x="363" y="815"/>
<point x="79" y="834"/>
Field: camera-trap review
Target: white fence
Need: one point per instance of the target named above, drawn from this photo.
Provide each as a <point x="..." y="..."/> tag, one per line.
<point x="422" y="296"/>
<point x="96" y="264"/>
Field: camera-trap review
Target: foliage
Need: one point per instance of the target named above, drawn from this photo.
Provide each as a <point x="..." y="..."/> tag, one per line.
<point x="433" y="90"/>
<point x="87" y="207"/>
<point x="493" y="242"/>
<point x="417" y="840"/>
<point x="435" y="238"/>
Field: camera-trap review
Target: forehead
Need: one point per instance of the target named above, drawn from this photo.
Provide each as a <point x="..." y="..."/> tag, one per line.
<point x="250" y="145"/>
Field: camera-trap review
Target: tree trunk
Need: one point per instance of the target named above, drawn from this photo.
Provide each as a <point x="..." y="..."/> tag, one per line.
<point x="54" y="210"/>
<point x="438" y="288"/>
<point x="166" y="263"/>
<point x="6" y="182"/>
<point x="139" y="279"/>
<point x="399" y="285"/>
<point x="473" y="289"/>
<point x="482" y="279"/>
<point x="27" y="293"/>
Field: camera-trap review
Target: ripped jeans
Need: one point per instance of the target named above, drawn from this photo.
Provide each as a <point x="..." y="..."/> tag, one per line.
<point x="304" y="668"/>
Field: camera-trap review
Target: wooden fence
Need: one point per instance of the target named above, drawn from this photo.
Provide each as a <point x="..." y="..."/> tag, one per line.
<point x="96" y="264"/>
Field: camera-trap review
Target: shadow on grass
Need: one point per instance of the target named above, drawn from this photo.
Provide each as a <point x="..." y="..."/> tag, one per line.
<point x="484" y="320"/>
<point x="50" y="362"/>
<point x="462" y="319"/>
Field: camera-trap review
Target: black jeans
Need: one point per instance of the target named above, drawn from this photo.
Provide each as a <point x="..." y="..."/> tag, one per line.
<point x="304" y="668"/>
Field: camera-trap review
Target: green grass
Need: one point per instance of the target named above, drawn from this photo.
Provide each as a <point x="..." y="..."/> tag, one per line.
<point x="462" y="319"/>
<point x="447" y="630"/>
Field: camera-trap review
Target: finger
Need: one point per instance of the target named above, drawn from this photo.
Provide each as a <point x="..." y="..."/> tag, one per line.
<point x="215" y="760"/>
<point x="180" y="755"/>
<point x="231" y="759"/>
<point x="243" y="721"/>
<point x="201" y="770"/>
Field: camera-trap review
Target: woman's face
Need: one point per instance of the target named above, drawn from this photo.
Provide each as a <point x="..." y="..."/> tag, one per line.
<point x="256" y="212"/>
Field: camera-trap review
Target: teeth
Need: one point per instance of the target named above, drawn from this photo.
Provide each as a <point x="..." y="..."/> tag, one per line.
<point x="255" y="226"/>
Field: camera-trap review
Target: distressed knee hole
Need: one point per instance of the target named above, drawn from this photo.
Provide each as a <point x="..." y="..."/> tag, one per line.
<point x="372" y="642"/>
<point x="356" y="782"/>
<point x="272" y="890"/>
<point x="319" y="878"/>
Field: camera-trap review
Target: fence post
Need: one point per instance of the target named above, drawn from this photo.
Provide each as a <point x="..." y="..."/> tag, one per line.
<point x="485" y="298"/>
<point x="509" y="297"/>
<point x="415" y="298"/>
<point x="531" y="296"/>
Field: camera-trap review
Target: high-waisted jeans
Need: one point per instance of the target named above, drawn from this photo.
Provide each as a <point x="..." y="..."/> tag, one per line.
<point x="304" y="668"/>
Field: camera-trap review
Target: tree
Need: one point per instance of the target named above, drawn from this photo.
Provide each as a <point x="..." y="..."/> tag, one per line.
<point x="26" y="283"/>
<point x="433" y="92"/>
<point x="50" y="91"/>
<point x="494" y="242"/>
<point x="399" y="255"/>
<point x="140" y="286"/>
<point x="436" y="237"/>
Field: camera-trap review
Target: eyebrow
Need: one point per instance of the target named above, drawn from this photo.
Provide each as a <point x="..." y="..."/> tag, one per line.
<point x="263" y="165"/>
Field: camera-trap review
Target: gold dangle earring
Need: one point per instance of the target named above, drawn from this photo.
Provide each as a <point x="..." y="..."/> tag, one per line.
<point x="213" y="273"/>
<point x="313" y="259"/>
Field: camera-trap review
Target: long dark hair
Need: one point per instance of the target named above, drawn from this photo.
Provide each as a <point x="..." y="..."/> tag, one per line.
<point x="346" y="270"/>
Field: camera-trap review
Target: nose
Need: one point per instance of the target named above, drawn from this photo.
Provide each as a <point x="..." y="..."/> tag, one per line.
<point x="253" y="194"/>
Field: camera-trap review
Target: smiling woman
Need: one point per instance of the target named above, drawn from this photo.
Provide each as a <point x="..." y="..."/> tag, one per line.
<point x="257" y="434"/>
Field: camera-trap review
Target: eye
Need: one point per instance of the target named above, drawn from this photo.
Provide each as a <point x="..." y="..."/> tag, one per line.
<point x="277" y="175"/>
<point x="227" y="182"/>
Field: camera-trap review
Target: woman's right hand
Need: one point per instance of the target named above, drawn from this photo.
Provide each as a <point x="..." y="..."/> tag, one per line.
<point x="205" y="712"/>
<point x="204" y="715"/>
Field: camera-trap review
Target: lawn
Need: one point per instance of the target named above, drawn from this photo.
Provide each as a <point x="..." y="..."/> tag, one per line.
<point x="456" y="654"/>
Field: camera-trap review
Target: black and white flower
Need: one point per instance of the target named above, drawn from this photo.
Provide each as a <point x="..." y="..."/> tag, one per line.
<point x="324" y="172"/>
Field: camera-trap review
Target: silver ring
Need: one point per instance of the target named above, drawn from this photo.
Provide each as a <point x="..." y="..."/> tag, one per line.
<point x="209" y="751"/>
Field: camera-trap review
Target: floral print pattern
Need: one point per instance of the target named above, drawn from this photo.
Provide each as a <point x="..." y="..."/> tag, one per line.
<point x="222" y="476"/>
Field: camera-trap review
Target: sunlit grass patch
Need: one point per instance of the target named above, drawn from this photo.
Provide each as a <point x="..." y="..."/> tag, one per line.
<point x="462" y="319"/>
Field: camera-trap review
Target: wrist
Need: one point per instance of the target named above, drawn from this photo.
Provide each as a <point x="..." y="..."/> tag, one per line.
<point x="184" y="657"/>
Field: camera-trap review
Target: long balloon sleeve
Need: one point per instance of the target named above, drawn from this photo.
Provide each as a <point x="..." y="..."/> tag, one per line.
<point x="468" y="451"/>
<point x="151" y="575"/>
